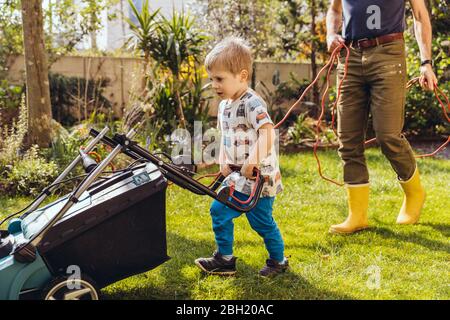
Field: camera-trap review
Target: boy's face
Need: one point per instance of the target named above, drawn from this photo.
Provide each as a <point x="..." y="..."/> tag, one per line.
<point x="228" y="85"/>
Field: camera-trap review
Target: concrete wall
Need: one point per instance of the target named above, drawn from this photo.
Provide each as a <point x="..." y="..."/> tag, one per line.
<point x="119" y="71"/>
<point x="124" y="73"/>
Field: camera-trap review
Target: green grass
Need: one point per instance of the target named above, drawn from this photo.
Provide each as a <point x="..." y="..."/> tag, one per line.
<point x="413" y="261"/>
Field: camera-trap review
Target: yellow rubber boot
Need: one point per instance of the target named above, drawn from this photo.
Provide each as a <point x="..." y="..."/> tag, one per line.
<point x="413" y="200"/>
<point x="358" y="202"/>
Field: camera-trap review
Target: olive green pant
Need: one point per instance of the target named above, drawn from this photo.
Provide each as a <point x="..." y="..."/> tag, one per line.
<point x="375" y="82"/>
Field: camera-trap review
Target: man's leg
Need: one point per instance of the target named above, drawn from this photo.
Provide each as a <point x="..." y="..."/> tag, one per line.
<point x="352" y="114"/>
<point x="387" y="75"/>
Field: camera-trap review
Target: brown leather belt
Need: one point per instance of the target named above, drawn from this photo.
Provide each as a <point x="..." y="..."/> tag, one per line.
<point x="369" y="43"/>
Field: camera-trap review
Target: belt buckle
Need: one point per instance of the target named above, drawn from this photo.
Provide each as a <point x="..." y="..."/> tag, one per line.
<point x="361" y="40"/>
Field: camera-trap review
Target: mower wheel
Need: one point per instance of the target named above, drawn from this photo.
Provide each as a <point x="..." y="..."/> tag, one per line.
<point x="66" y="288"/>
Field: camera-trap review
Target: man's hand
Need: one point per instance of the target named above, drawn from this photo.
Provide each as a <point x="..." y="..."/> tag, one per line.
<point x="423" y="32"/>
<point x="333" y="41"/>
<point x="225" y="170"/>
<point x="247" y="170"/>
<point x="427" y="77"/>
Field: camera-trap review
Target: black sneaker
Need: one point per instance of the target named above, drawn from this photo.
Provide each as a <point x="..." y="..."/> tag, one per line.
<point x="272" y="268"/>
<point x="217" y="265"/>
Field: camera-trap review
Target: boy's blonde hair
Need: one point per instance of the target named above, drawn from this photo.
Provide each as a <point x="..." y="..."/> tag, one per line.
<point x="233" y="54"/>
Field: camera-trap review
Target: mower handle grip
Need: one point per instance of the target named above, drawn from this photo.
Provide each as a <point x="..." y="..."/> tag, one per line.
<point x="224" y="197"/>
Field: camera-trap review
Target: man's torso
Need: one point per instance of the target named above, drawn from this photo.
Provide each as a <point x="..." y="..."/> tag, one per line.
<point x="372" y="18"/>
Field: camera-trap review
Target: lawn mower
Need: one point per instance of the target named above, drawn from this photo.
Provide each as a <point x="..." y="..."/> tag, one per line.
<point x="110" y="227"/>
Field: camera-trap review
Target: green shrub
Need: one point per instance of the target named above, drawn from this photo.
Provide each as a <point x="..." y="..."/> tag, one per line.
<point x="11" y="138"/>
<point x="10" y="95"/>
<point x="64" y="147"/>
<point x="22" y="172"/>
<point x="31" y="174"/>
<point x="423" y="114"/>
<point x="304" y="131"/>
<point x="284" y="91"/>
<point x="72" y="101"/>
<point x="292" y="89"/>
<point x="152" y="137"/>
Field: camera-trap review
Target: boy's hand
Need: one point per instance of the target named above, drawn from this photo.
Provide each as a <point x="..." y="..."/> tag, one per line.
<point x="225" y="170"/>
<point x="247" y="170"/>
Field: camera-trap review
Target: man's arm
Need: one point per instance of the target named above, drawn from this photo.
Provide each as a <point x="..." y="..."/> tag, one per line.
<point x="423" y="33"/>
<point x="334" y="23"/>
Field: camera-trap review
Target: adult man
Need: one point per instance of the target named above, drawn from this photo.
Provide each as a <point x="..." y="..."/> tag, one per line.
<point x="376" y="79"/>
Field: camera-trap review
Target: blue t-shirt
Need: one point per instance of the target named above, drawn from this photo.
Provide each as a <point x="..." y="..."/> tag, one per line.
<point x="372" y="18"/>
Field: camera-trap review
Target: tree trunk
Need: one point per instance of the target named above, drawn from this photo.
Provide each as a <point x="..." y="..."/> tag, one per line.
<point x="93" y="36"/>
<point x="122" y="19"/>
<point x="36" y="68"/>
<point x="316" y="94"/>
<point x="94" y="20"/>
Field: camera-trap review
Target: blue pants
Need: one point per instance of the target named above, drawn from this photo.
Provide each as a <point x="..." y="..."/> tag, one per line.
<point x="260" y="219"/>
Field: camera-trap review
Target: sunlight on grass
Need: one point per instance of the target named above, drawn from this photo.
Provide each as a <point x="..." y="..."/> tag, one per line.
<point x="409" y="262"/>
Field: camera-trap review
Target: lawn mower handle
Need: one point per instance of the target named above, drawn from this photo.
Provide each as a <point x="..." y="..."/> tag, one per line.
<point x="66" y="171"/>
<point x="174" y="174"/>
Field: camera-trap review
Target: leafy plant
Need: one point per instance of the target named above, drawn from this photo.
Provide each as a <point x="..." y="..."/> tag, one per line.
<point x="22" y="172"/>
<point x="143" y="32"/>
<point x="30" y="175"/>
<point x="12" y="137"/>
<point x="173" y="47"/>
<point x="301" y="130"/>
<point x="152" y="135"/>
<point x="423" y="114"/>
<point x="64" y="147"/>
<point x="291" y="89"/>
<point x="72" y="101"/>
<point x="176" y="42"/>
<point x="276" y="113"/>
<point x="11" y="42"/>
<point x="10" y="95"/>
<point x="194" y="98"/>
<point x="283" y="92"/>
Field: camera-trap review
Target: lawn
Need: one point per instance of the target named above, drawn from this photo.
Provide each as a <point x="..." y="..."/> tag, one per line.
<point x="385" y="262"/>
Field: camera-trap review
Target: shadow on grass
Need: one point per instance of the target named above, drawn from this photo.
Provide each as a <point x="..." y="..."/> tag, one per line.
<point x="413" y="238"/>
<point x="342" y="240"/>
<point x="287" y="172"/>
<point x="442" y="228"/>
<point x="247" y="282"/>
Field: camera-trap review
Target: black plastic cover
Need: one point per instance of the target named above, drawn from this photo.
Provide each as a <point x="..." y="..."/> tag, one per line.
<point x="117" y="236"/>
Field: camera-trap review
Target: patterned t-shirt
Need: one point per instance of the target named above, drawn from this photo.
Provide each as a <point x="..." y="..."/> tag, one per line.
<point x="239" y="122"/>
